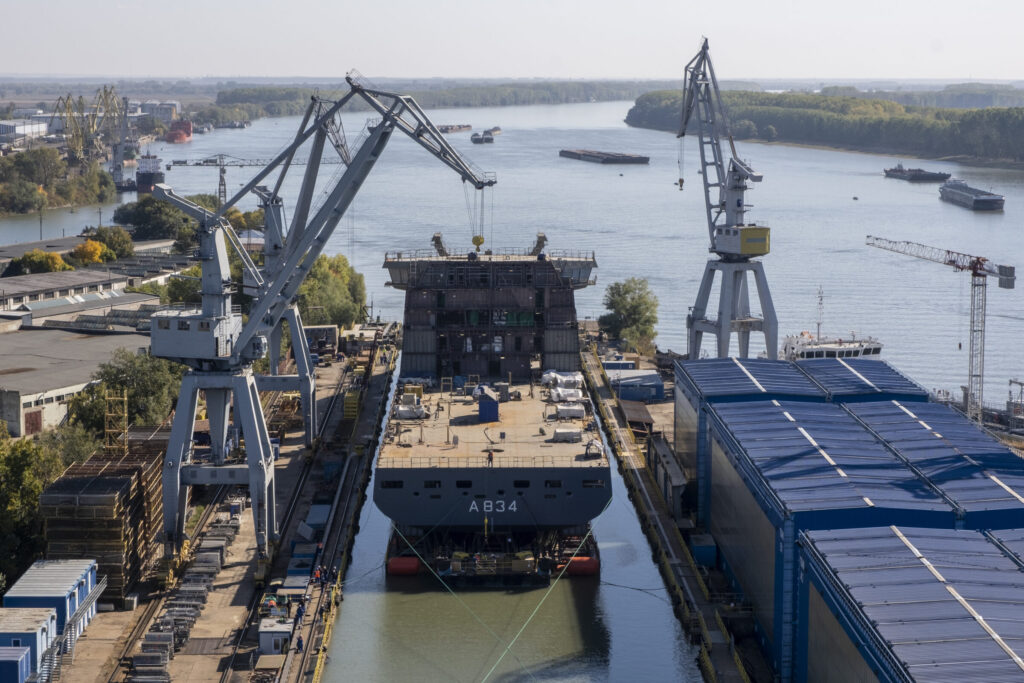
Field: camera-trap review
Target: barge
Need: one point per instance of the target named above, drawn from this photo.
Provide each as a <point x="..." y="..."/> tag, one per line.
<point x="915" y="175"/>
<point x="603" y="157"/>
<point x="959" y="192"/>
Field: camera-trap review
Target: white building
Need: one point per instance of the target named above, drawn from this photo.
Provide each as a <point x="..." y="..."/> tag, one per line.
<point x="13" y="129"/>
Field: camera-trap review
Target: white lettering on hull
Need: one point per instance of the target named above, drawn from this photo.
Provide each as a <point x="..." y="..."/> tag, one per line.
<point x="488" y="505"/>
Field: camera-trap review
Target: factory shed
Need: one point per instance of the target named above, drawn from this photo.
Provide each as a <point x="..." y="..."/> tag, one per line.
<point x="782" y="467"/>
<point x="848" y="380"/>
<point x="637" y="385"/>
<point x="908" y="604"/>
<point x="36" y="629"/>
<point x="982" y="478"/>
<point x="703" y="382"/>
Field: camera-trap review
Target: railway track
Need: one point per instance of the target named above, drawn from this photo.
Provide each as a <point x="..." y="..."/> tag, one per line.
<point x="286" y="520"/>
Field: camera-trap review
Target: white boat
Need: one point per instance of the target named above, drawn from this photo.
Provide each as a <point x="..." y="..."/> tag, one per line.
<point x="806" y="345"/>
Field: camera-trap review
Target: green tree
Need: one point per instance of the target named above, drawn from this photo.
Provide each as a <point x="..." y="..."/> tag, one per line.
<point x="333" y="293"/>
<point x="633" y="313"/>
<point x="72" y="442"/>
<point x="42" y="166"/>
<point x="116" y="238"/>
<point x="185" y="289"/>
<point x="769" y="133"/>
<point x="36" y="261"/>
<point x="744" y="129"/>
<point x="152" y="385"/>
<point x="21" y="196"/>
<point x="152" y="219"/>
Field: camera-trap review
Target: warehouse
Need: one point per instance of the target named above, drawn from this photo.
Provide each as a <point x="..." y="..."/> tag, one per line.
<point x="778" y="467"/>
<point x="44" y="369"/>
<point x="637" y="385"/>
<point x="34" y="628"/>
<point x="909" y="604"/>
<point x="20" y="289"/>
<point x="13" y="130"/>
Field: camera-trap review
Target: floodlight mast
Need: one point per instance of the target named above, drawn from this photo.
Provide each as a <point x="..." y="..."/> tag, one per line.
<point x="220" y="347"/>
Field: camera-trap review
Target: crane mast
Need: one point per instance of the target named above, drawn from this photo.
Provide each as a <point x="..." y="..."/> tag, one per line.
<point x="980" y="268"/>
<point x="733" y="242"/>
<point x="220" y="347"/>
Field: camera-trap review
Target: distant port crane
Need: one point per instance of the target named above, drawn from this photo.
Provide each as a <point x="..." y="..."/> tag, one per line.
<point x="734" y="243"/>
<point x="980" y="268"/>
<point x="223" y="161"/>
<point x="220" y="346"/>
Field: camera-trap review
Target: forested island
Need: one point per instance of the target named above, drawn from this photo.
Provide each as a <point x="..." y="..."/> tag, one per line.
<point x="40" y="178"/>
<point x="247" y="103"/>
<point x="862" y="123"/>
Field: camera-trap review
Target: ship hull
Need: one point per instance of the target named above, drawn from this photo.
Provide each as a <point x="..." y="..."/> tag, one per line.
<point x="982" y="201"/>
<point x="145" y="182"/>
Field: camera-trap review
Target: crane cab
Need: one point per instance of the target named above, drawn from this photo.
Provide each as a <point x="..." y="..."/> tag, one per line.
<point x="742" y="240"/>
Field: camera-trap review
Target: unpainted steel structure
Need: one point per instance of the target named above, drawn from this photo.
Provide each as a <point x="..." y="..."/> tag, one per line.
<point x="734" y="243"/>
<point x="220" y="347"/>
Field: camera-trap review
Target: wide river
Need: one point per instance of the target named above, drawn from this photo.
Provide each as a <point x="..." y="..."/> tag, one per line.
<point x="820" y="204"/>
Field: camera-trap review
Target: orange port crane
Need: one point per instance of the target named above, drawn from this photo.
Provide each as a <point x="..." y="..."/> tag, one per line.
<point x="980" y="268"/>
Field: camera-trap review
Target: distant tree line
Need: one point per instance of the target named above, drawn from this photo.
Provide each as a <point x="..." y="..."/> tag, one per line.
<point x="853" y="123"/>
<point x="39" y="178"/>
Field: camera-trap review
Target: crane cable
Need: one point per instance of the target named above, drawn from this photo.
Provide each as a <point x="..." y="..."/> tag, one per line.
<point x="681" y="158"/>
<point x="476" y="215"/>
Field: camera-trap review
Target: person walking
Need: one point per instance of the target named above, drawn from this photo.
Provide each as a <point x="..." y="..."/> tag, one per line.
<point x="298" y="644"/>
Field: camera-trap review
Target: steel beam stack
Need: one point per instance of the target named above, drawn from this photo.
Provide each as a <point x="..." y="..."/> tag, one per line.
<point x="108" y="508"/>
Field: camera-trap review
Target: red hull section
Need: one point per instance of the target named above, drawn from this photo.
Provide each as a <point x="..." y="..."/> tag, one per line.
<point x="181" y="131"/>
<point x="403" y="566"/>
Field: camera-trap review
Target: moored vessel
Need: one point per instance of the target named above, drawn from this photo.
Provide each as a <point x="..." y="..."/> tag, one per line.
<point x="492" y="464"/>
<point x="148" y="174"/>
<point x="180" y="132"/>
<point x="959" y="192"/>
<point x="915" y="175"/>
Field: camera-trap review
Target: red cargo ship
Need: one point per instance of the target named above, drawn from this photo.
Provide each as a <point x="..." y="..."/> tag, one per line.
<point x="181" y="131"/>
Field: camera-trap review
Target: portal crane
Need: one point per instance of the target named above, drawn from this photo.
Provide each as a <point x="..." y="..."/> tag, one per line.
<point x="980" y="268"/>
<point x="220" y="347"/>
<point x="734" y="243"/>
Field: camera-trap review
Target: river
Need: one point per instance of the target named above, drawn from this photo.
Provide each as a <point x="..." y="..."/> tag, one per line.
<point x="820" y="205"/>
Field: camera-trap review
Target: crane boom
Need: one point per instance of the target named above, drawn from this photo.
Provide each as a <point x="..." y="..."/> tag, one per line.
<point x="980" y="268"/>
<point x="978" y="265"/>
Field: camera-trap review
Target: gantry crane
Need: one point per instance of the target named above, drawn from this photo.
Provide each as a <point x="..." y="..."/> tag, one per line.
<point x="980" y="268"/>
<point x="220" y="347"/>
<point x="223" y="161"/>
<point x="85" y="125"/>
<point x="734" y="243"/>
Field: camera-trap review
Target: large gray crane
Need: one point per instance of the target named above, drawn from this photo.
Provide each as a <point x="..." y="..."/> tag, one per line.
<point x="734" y="243"/>
<point x="980" y="268"/>
<point x="219" y="346"/>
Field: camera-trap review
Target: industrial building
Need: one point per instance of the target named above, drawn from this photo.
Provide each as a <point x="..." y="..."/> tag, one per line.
<point x="910" y="604"/>
<point x="15" y="664"/>
<point x="44" y="369"/>
<point x="21" y="289"/>
<point x="775" y="459"/>
<point x="34" y="628"/>
<point x="637" y="385"/>
<point x="21" y="129"/>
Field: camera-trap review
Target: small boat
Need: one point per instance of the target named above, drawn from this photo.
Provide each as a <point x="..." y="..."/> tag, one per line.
<point x="806" y="345"/>
<point x="494" y="131"/>
<point x="915" y="175"/>
<point x="959" y="192"/>
<point x="480" y="138"/>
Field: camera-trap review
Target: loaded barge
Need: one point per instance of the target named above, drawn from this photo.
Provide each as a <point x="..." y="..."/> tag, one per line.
<point x="915" y="175"/>
<point x="492" y="465"/>
<point x="603" y="157"/>
<point x="959" y="192"/>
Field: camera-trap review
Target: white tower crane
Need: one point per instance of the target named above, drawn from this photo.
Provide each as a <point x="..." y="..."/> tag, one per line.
<point x="980" y="269"/>
<point x="733" y="242"/>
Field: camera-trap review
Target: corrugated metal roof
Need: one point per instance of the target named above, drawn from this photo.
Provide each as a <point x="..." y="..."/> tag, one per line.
<point x="971" y="467"/>
<point x="24" y="619"/>
<point x="946" y="603"/>
<point x="722" y="377"/>
<point x="860" y="378"/>
<point x="50" y="578"/>
<point x="816" y="456"/>
<point x="9" y="654"/>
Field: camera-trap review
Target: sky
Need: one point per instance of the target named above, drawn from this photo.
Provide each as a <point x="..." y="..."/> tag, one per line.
<point x="550" y="39"/>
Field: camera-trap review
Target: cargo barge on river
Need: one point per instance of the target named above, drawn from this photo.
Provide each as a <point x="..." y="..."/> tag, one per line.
<point x="492" y="465"/>
<point x="959" y="192"/>
<point x="915" y="175"/>
<point x="603" y="157"/>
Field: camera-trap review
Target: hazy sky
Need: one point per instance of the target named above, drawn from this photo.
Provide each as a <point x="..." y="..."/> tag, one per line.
<point x="516" y="38"/>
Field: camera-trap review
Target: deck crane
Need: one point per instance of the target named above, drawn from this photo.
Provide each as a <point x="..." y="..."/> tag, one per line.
<point x="220" y="347"/>
<point x="980" y="268"/>
<point x="734" y="243"/>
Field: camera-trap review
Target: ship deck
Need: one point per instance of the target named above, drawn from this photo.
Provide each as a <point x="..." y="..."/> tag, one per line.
<point x="452" y="436"/>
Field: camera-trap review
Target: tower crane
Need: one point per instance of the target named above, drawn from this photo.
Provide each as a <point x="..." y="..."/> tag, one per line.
<point x="734" y="243"/>
<point x="223" y="161"/>
<point x="220" y="347"/>
<point x="980" y="268"/>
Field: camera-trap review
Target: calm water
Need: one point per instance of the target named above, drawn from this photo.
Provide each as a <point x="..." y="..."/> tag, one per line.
<point x="638" y="223"/>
